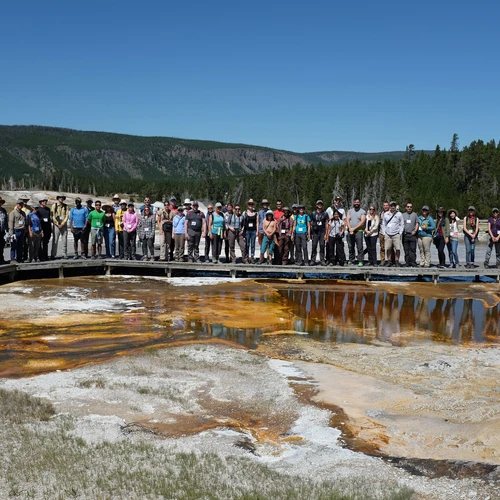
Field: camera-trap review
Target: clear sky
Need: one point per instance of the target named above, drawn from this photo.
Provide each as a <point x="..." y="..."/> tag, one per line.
<point x="302" y="76"/>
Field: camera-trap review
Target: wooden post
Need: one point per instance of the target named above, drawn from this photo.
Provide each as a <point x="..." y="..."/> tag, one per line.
<point x="61" y="272"/>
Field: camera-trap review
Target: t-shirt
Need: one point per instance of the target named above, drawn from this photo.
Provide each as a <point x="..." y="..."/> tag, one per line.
<point x="494" y="226"/>
<point x="410" y="221"/>
<point x="78" y="216"/>
<point x="34" y="222"/>
<point x="301" y="223"/>
<point x="355" y="216"/>
<point x="96" y="219"/>
<point x="336" y="227"/>
<point x="195" y="220"/>
<point x="217" y="224"/>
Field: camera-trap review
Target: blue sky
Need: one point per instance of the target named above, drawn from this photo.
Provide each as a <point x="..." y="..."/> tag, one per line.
<point x="364" y="76"/>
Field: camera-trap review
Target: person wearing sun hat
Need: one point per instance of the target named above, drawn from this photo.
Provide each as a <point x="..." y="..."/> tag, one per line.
<point x="119" y="227"/>
<point x="250" y="227"/>
<point x="59" y="216"/>
<point x="4" y="229"/>
<point x="471" y="231"/>
<point x="17" y="228"/>
<point x="44" y="214"/>
<point x="116" y="203"/>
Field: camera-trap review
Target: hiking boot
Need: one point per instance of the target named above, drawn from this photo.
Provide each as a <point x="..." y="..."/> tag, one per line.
<point x="152" y="259"/>
<point x="75" y="257"/>
<point x="84" y="257"/>
<point x="486" y="266"/>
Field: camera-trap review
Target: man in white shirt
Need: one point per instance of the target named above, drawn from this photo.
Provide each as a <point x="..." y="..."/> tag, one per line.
<point x="392" y="226"/>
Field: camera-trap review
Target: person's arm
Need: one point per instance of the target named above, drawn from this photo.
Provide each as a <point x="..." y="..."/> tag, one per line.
<point x="362" y="222"/>
<point x="211" y="236"/>
<point x="477" y="228"/>
<point x="375" y="224"/>
<point x="308" y="222"/>
<point x="65" y="219"/>
<point x="348" y="222"/>
<point x="203" y="226"/>
<point x="70" y="220"/>
<point x="401" y="223"/>
<point x="415" y="229"/>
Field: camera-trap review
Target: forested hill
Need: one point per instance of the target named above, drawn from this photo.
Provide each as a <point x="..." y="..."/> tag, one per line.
<point x="34" y="149"/>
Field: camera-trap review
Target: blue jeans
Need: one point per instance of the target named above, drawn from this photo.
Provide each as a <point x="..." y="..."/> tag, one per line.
<point x="250" y="235"/>
<point x="469" y="249"/>
<point x="453" y="251"/>
<point x="17" y="246"/>
<point x="109" y="241"/>
<point x="267" y="242"/>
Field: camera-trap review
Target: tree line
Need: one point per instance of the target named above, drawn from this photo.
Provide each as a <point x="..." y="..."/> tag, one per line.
<point x="453" y="178"/>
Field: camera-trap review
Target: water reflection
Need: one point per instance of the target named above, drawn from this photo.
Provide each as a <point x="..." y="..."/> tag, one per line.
<point x="90" y="319"/>
<point x="363" y="316"/>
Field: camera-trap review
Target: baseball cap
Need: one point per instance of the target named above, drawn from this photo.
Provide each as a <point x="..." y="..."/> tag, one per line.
<point x="472" y="208"/>
<point x="319" y="202"/>
<point x="264" y="201"/>
<point x="425" y="207"/>
<point x="393" y="203"/>
<point x="218" y="204"/>
<point x="195" y="203"/>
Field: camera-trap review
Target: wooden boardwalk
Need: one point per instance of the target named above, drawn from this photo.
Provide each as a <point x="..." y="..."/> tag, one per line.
<point x="60" y="268"/>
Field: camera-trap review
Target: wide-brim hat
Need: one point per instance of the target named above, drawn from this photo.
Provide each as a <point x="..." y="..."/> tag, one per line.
<point x="187" y="201"/>
<point x="265" y="202"/>
<point x="441" y="209"/>
<point x="250" y="201"/>
<point x="452" y="210"/>
<point x="122" y="201"/>
<point x="60" y="196"/>
<point x="25" y="196"/>
<point x="115" y="197"/>
<point x="106" y="205"/>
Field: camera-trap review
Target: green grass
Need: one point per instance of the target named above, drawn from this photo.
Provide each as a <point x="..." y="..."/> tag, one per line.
<point x="41" y="458"/>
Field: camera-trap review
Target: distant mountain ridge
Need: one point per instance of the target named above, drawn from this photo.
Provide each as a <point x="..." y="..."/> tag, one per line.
<point x="37" y="149"/>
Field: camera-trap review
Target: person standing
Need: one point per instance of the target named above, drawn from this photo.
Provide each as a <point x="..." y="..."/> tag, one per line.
<point x="494" y="240"/>
<point x="453" y="240"/>
<point x="441" y="235"/>
<point x="393" y="224"/>
<point x="335" y="248"/>
<point x="278" y="213"/>
<point x="268" y="241"/>
<point x="96" y="221"/>
<point x="119" y="228"/>
<point x="4" y="230"/>
<point x="179" y="238"/>
<point x="194" y="230"/>
<point x="165" y="217"/>
<point x="130" y="222"/>
<point x="17" y="229"/>
<point x="35" y="233"/>
<point x="145" y="234"/>
<point x="319" y="221"/>
<point x="78" y="216"/>
<point x="250" y="223"/>
<point x="426" y="227"/>
<point x="410" y="232"/>
<point x="116" y="203"/>
<point x="228" y="212"/>
<point x="285" y="232"/>
<point x="109" y="230"/>
<point x="381" y="235"/>
<point x="216" y="230"/>
<point x="295" y="212"/>
<point x="44" y="214"/>
<point x="59" y="216"/>
<point x="355" y="222"/>
<point x="301" y="235"/>
<point x="86" y="231"/>
<point x="235" y="231"/>
<point x="208" y="237"/>
<point x="27" y="209"/>
<point x="337" y="205"/>
<point x="470" y="230"/>
<point x="371" y="235"/>
<point x="261" y="217"/>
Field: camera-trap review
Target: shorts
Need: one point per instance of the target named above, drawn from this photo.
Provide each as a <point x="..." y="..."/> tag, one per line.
<point x="393" y="241"/>
<point x="77" y="234"/>
<point x="95" y="236"/>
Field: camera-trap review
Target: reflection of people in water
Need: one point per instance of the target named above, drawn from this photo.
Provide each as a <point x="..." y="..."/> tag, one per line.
<point x="422" y="314"/>
<point x="466" y="333"/>
<point x="491" y="323"/>
<point x="407" y="314"/>
<point x="389" y="321"/>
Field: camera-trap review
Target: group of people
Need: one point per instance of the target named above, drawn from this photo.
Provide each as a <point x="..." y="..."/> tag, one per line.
<point x="277" y="236"/>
